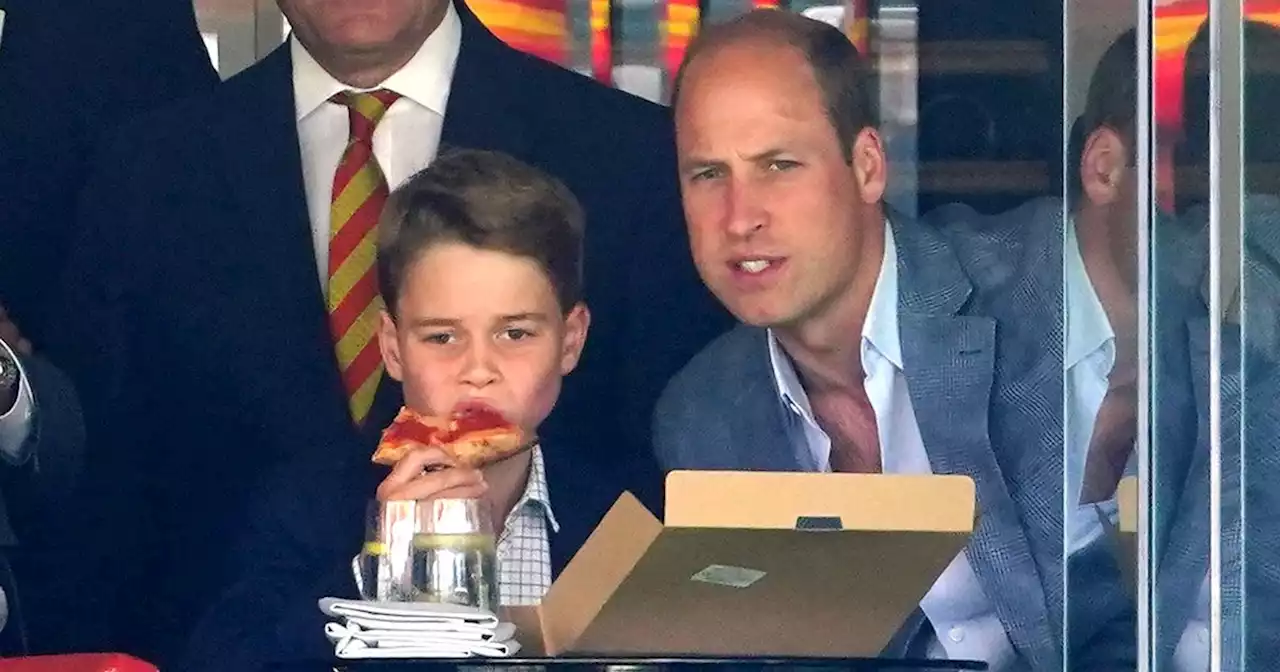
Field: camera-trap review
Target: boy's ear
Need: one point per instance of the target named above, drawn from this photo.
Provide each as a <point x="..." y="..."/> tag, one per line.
<point x="576" y="324"/>
<point x="390" y="347"/>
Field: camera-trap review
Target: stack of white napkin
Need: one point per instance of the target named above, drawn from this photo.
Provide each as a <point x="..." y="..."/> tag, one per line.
<point x="415" y="630"/>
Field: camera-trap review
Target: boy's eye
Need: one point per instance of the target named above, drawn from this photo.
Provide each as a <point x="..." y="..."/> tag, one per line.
<point x="516" y="334"/>
<point x="443" y="338"/>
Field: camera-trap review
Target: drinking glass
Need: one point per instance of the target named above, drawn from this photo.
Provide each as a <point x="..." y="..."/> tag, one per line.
<point x="455" y="558"/>
<point x="383" y="569"/>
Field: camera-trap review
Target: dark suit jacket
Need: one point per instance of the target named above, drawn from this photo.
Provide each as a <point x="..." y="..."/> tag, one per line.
<point x="307" y="530"/>
<point x="70" y="70"/>
<point x="197" y="328"/>
<point x="980" y="321"/>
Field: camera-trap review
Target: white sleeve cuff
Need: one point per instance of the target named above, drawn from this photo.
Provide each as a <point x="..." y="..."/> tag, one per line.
<point x="1085" y="526"/>
<point x="17" y="423"/>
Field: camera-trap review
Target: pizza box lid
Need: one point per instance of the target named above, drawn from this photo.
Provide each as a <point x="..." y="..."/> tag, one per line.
<point x="755" y="564"/>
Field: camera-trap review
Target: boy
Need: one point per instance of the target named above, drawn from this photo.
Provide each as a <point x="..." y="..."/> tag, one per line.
<point x="479" y="263"/>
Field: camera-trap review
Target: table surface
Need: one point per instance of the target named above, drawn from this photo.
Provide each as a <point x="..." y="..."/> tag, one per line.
<point x="681" y="664"/>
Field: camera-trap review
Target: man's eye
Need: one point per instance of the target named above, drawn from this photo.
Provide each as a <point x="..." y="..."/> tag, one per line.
<point x="781" y="165"/>
<point x="705" y="174"/>
<point x="516" y="334"/>
<point x="438" y="339"/>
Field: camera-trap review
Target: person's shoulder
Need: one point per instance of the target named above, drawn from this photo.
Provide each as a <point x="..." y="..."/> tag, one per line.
<point x="588" y="95"/>
<point x="718" y="369"/>
<point x="569" y="108"/>
<point x="994" y="249"/>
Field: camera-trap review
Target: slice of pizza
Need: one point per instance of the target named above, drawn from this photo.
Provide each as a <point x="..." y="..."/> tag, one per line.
<point x="408" y="430"/>
<point x="481" y="436"/>
<point x="476" y="436"/>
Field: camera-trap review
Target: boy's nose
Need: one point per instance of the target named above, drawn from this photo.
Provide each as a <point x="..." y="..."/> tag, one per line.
<point x="480" y="369"/>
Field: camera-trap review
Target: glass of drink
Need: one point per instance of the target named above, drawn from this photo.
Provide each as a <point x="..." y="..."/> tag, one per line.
<point x="455" y="558"/>
<point x="383" y="569"/>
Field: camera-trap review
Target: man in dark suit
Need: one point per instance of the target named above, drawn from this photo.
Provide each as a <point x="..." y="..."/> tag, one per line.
<point x="205" y="294"/>
<point x="871" y="342"/>
<point x="70" y="70"/>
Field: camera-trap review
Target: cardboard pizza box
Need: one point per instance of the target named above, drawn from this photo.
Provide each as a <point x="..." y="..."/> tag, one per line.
<point x="755" y="563"/>
<point x="1124" y="533"/>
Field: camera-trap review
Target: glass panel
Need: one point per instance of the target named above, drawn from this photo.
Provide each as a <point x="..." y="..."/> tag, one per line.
<point x="1101" y="356"/>
<point x="1182" y="371"/>
<point x="1252" y="305"/>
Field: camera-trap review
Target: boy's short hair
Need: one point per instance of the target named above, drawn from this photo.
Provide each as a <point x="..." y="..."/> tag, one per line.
<point x="489" y="201"/>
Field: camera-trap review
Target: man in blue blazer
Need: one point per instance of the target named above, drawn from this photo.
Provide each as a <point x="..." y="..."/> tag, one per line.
<point x="959" y="365"/>
<point x="198" y="327"/>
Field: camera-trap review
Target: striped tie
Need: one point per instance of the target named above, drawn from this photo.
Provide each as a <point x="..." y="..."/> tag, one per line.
<point x="359" y="194"/>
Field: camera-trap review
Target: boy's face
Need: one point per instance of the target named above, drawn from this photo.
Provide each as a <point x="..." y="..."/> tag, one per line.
<point x="481" y="327"/>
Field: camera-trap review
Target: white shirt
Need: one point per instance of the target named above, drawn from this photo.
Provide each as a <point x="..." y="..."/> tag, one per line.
<point x="406" y="139"/>
<point x="961" y="614"/>
<point x="17" y="422"/>
<point x="524" y="549"/>
<point x="1088" y="359"/>
<point x="1192" y="652"/>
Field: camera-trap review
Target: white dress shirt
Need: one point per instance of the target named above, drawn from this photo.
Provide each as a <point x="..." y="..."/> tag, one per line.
<point x="17" y="422"/>
<point x="1088" y="359"/>
<point x="406" y="139"/>
<point x="962" y="616"/>
<point x="524" y="547"/>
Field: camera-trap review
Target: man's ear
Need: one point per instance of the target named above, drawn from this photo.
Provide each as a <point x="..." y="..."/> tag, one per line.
<point x="1102" y="165"/>
<point x="869" y="165"/>
<point x="576" y="325"/>
<point x="390" y="347"/>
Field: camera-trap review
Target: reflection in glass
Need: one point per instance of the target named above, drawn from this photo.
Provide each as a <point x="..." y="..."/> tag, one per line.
<point x="1100" y="356"/>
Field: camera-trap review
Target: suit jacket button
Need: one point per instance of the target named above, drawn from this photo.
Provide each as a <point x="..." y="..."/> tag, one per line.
<point x="956" y="634"/>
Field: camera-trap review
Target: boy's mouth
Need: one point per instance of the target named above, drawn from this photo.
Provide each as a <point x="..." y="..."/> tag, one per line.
<point x="474" y="405"/>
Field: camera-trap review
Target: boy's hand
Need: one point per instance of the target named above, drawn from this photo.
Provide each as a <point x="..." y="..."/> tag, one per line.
<point x="430" y="473"/>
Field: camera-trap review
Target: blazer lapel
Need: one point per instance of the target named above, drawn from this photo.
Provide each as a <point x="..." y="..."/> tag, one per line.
<point x="263" y="167"/>
<point x="483" y="111"/>
<point x="949" y="362"/>
<point x="580" y="497"/>
<point x="757" y="426"/>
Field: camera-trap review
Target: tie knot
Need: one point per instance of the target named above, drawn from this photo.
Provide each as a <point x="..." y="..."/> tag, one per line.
<point x="366" y="109"/>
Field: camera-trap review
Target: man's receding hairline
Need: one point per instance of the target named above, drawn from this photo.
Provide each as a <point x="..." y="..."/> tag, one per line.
<point x="752" y="35"/>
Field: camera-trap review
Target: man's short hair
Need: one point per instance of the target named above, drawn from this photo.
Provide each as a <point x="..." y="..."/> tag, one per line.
<point x="1112" y="102"/>
<point x="489" y="201"/>
<point x="1260" y="135"/>
<point x="845" y="79"/>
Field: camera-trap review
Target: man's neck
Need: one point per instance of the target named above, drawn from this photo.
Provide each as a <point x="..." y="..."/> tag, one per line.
<point x="827" y="349"/>
<point x="507" y="481"/>
<point x="1110" y="277"/>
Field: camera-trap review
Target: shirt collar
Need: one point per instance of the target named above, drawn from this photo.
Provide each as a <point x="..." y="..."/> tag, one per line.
<point x="879" y="332"/>
<point x="536" y="493"/>
<point x="1088" y="329"/>
<point x="425" y="79"/>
